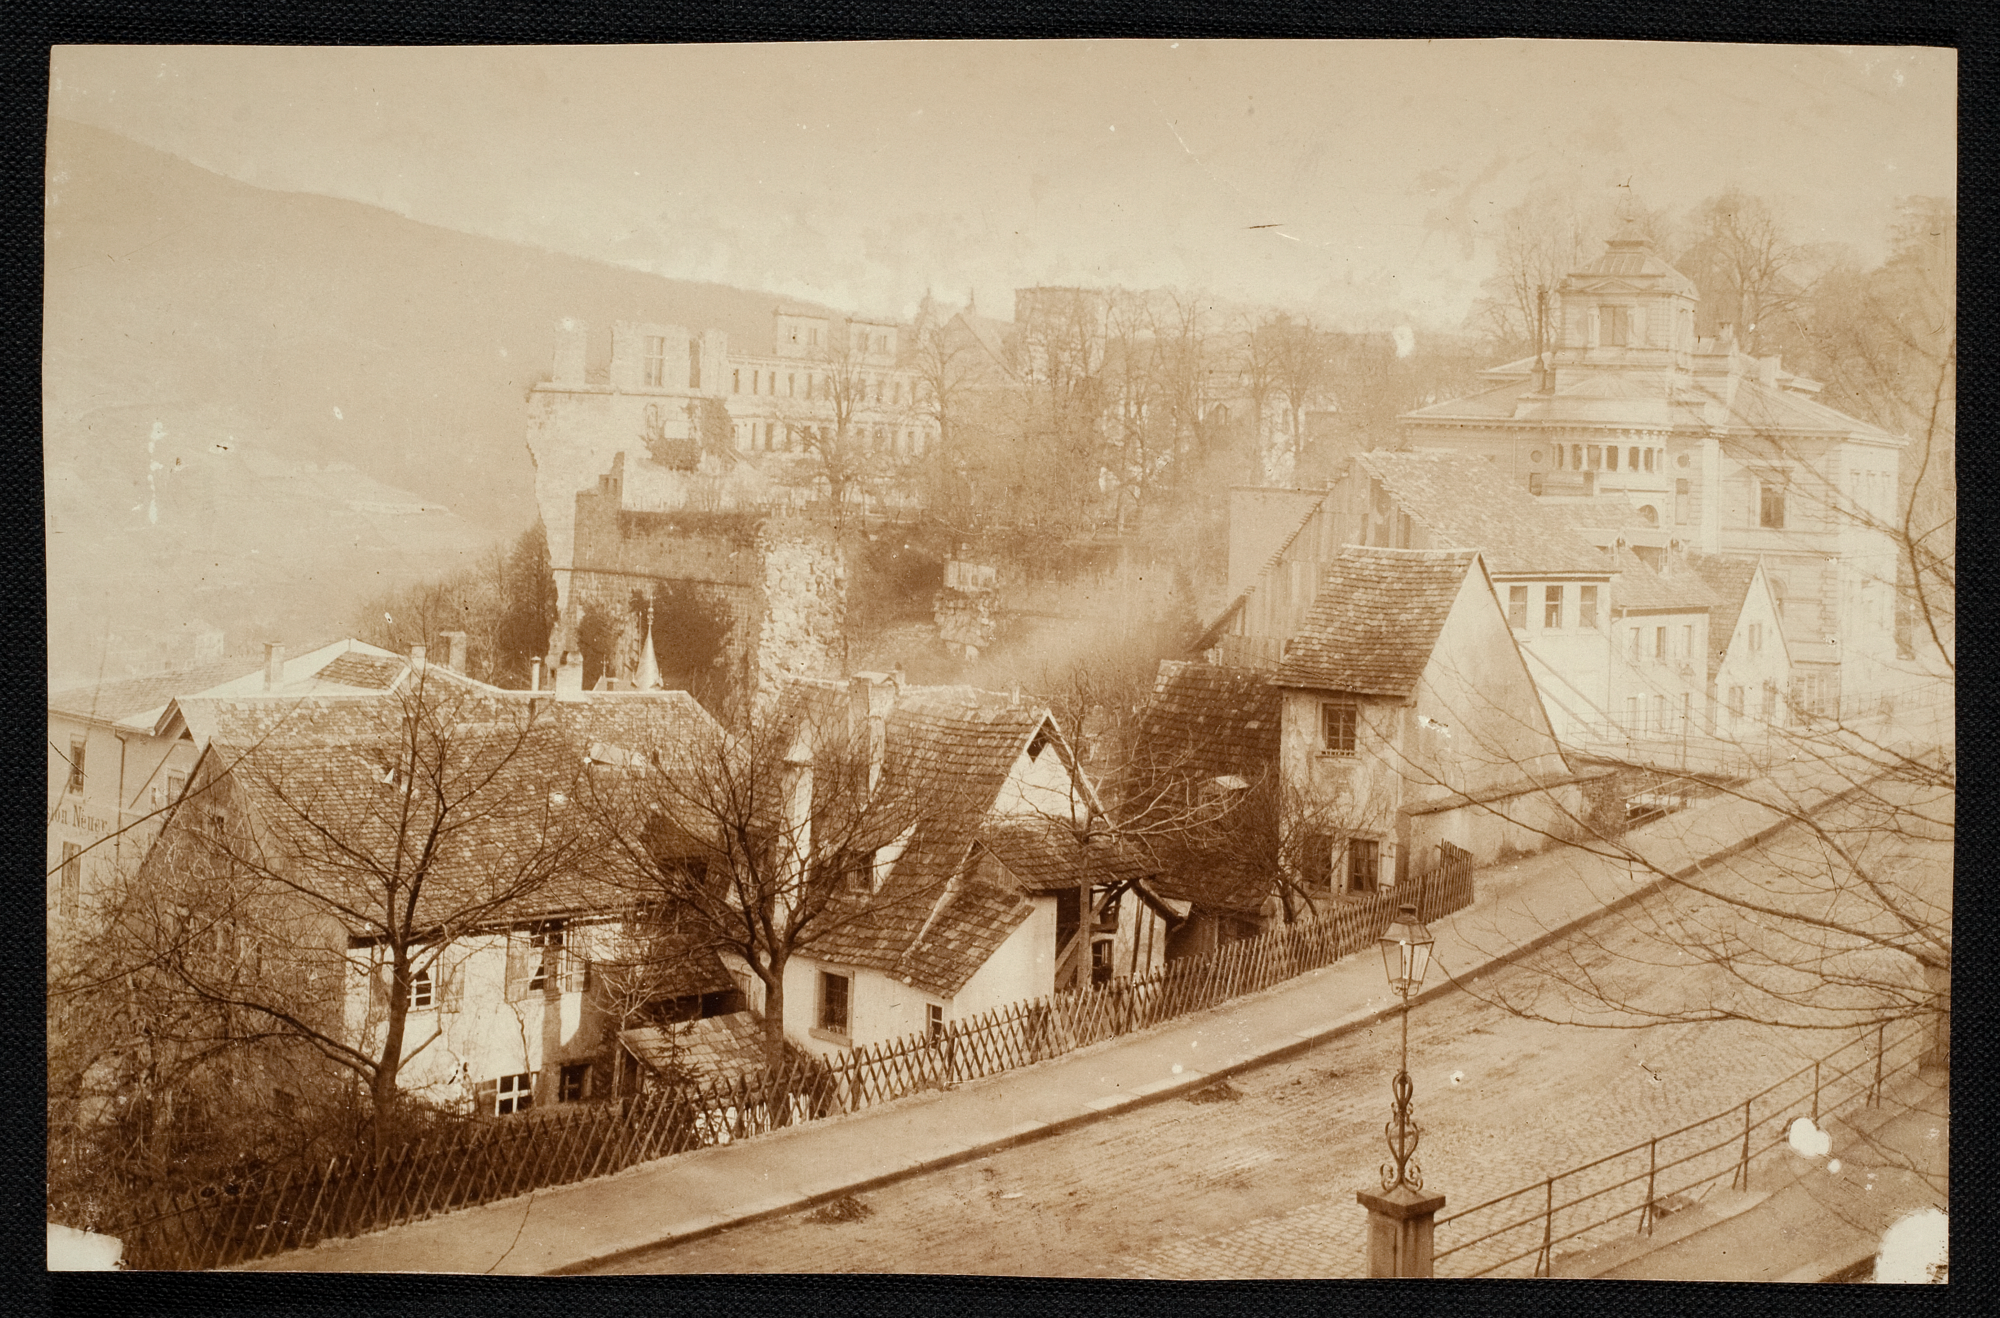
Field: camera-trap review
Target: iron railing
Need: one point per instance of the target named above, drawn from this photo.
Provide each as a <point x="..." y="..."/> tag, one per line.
<point x="1523" y="1233"/>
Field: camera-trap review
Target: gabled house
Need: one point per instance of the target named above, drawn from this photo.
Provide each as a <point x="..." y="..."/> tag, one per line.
<point x="302" y="809"/>
<point x="119" y="754"/>
<point x="995" y="878"/>
<point x="1408" y="708"/>
<point x="1750" y="668"/>
<point x="1660" y="655"/>
<point x="1201" y="789"/>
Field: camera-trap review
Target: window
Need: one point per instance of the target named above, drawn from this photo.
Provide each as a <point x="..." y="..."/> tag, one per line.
<point x="1735" y="702"/>
<point x="72" y="879"/>
<point x="1756" y="637"/>
<point x="1338" y="719"/>
<point x="934" y="1022"/>
<point x="1632" y="645"/>
<point x="1552" y="607"/>
<point x="1517" y="608"/>
<point x="1586" y="607"/>
<point x="539" y="962"/>
<point x="1535" y="483"/>
<point x="1770" y="708"/>
<point x="1101" y="960"/>
<point x="1617" y="326"/>
<point x="573" y="1083"/>
<point x="656" y="362"/>
<point x="1632" y="458"/>
<point x="1576" y="457"/>
<point x="736" y="381"/>
<point x="422" y="996"/>
<point x="833" y="1002"/>
<point x="770" y="435"/>
<point x="694" y="363"/>
<point x="176" y="784"/>
<point x="1771" y="506"/>
<point x="845" y="870"/>
<point x="1649" y="458"/>
<point x="792" y="386"/>
<point x="75" y="765"/>
<point x="516" y="1093"/>
<point x="1611" y="457"/>
<point x="812" y="338"/>
<point x="1364" y="859"/>
<point x="544" y="958"/>
<point x="1659" y="642"/>
<point x="1687" y="642"/>
<point x="1596" y="456"/>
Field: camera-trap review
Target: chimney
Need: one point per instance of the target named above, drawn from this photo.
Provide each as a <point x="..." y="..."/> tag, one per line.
<point x="870" y="696"/>
<point x="417" y="660"/>
<point x="571" y="337"/>
<point x="455" y="651"/>
<point x="569" y="677"/>
<point x="274" y="665"/>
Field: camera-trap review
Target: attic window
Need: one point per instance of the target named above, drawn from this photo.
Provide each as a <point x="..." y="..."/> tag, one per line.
<point x="1230" y="782"/>
<point x="1040" y="741"/>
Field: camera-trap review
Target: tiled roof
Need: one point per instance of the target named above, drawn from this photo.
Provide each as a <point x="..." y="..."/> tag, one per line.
<point x="312" y="773"/>
<point x="1640" y="588"/>
<point x="1045" y="855"/>
<point x="371" y="672"/>
<point x="1375" y="620"/>
<point x="1206" y="720"/>
<point x="1465" y="503"/>
<point x="136" y="695"/>
<point x="1729" y="579"/>
<point x="714" y="1048"/>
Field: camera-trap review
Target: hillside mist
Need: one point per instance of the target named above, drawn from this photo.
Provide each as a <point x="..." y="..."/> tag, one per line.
<point x="262" y="408"/>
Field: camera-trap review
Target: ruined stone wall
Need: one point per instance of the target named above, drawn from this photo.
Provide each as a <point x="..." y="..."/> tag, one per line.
<point x="804" y="597"/>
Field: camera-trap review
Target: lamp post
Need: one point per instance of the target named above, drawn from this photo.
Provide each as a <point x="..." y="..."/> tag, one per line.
<point x="1400" y="1217"/>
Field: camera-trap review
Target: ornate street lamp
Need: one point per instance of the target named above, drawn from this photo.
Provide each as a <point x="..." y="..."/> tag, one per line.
<point x="1406" y="955"/>
<point x="1401" y="1216"/>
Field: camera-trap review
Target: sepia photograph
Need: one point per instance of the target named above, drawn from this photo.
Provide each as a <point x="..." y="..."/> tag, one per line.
<point x="1177" y="660"/>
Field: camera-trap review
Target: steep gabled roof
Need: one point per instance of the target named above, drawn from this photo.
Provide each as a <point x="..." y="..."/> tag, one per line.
<point x="1046" y="855"/>
<point x="1465" y="503"/>
<point x="1640" y="589"/>
<point x="1729" y="579"/>
<point x="112" y="701"/>
<point x="1375" y="621"/>
<point x="1207" y="720"/>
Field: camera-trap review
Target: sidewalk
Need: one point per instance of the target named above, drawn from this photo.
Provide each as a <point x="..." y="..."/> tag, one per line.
<point x="1809" y="1219"/>
<point x="572" y="1228"/>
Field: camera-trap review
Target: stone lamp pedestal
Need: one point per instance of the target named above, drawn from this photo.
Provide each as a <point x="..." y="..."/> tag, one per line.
<point x="1400" y="1224"/>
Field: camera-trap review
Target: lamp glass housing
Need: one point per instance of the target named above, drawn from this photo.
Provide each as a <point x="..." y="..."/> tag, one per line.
<point x="1406" y="951"/>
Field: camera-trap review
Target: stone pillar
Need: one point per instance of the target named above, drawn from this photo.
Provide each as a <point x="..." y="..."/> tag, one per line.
<point x="1400" y="1223"/>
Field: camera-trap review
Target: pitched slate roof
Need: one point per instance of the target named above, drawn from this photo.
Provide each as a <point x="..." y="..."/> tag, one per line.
<point x="370" y="672"/>
<point x="1465" y="503"/>
<point x="121" y="699"/>
<point x="1729" y="579"/>
<point x="1375" y="620"/>
<point x="310" y="770"/>
<point x="1207" y="720"/>
<point x="1640" y="589"/>
<point x="947" y="753"/>
<point x="1045" y="855"/>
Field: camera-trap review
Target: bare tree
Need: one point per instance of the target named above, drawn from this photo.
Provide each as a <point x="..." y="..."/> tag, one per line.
<point x="1303" y="368"/>
<point x="762" y="845"/>
<point x="1750" y="271"/>
<point x="318" y="858"/>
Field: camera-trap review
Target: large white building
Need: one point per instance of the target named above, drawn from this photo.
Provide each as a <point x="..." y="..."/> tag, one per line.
<point x="1694" y="444"/>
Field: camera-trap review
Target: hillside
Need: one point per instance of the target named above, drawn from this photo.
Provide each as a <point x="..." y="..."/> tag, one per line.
<point x="333" y="395"/>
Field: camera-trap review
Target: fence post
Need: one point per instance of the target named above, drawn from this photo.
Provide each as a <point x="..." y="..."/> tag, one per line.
<point x="1542" y="1261"/>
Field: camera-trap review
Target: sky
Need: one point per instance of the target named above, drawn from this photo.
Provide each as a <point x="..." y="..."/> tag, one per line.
<point x="1356" y="180"/>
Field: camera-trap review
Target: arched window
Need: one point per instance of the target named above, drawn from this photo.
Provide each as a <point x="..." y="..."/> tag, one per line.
<point x="1649" y="515"/>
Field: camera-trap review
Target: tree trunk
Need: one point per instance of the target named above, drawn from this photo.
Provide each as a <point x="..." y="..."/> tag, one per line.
<point x="382" y="1085"/>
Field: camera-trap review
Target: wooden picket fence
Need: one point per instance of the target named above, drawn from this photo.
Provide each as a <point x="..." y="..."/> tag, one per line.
<point x="484" y="1160"/>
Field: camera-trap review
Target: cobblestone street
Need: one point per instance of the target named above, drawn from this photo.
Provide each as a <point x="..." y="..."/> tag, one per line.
<point x="1259" y="1180"/>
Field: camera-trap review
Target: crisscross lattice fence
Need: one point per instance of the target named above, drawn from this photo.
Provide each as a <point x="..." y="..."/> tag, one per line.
<point x="488" y="1160"/>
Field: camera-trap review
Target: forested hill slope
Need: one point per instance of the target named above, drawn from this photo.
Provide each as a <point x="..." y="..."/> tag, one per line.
<point x="250" y="395"/>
